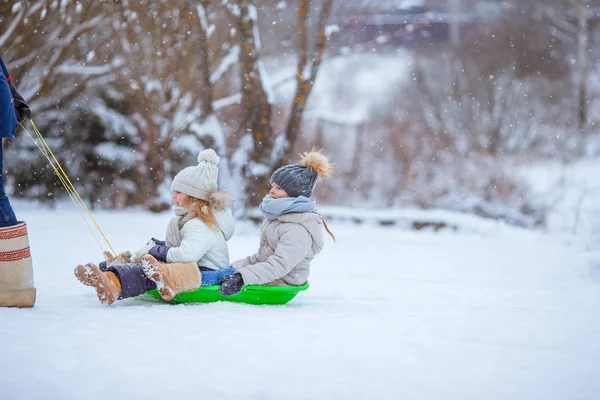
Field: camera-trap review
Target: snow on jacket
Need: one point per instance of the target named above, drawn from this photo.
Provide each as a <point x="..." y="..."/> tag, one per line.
<point x="204" y="245"/>
<point x="8" y="118"/>
<point x="287" y="246"/>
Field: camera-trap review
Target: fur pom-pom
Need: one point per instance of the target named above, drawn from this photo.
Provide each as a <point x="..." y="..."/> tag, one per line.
<point x="208" y="155"/>
<point x="220" y="200"/>
<point x="319" y="163"/>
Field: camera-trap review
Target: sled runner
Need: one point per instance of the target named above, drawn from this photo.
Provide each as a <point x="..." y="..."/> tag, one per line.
<point x="251" y="294"/>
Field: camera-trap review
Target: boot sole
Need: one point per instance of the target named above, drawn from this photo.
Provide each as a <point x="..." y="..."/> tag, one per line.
<point x="123" y="258"/>
<point x="24" y="298"/>
<point x="152" y="272"/>
<point x="82" y="275"/>
<point x="91" y="275"/>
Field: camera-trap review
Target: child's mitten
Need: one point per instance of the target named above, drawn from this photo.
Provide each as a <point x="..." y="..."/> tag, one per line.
<point x="143" y="250"/>
<point x="231" y="284"/>
<point x="159" y="252"/>
<point x="159" y="242"/>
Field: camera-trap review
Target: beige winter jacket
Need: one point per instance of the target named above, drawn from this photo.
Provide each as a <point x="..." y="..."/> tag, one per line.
<point x="287" y="245"/>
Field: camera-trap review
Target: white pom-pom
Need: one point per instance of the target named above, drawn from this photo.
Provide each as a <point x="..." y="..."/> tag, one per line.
<point x="208" y="155"/>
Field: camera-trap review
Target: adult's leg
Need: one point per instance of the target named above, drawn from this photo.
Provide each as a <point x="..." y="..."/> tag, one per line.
<point x="7" y="215"/>
<point x="16" y="270"/>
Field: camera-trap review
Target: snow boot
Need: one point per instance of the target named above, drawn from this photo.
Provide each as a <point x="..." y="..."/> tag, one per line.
<point x="107" y="285"/>
<point x="16" y="269"/>
<point x="171" y="278"/>
<point x="109" y="259"/>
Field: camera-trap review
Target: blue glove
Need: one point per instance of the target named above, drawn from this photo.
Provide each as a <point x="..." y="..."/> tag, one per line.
<point x="159" y="252"/>
<point x="159" y="242"/>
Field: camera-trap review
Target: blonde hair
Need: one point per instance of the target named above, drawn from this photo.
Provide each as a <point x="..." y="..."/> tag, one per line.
<point x="203" y="210"/>
<point x="327" y="229"/>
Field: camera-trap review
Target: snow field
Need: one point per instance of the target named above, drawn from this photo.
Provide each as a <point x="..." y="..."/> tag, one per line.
<point x="390" y="314"/>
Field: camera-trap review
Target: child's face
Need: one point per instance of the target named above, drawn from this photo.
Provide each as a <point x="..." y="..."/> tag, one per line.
<point x="179" y="198"/>
<point x="277" y="192"/>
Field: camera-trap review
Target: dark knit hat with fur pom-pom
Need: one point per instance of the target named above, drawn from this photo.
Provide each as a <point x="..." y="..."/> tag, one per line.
<point x="300" y="179"/>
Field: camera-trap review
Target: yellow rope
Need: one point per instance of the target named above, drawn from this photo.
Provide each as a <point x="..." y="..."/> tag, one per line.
<point x="68" y="185"/>
<point x="69" y="192"/>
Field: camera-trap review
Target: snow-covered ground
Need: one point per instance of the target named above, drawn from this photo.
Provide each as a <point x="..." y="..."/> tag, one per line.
<point x="505" y="314"/>
<point x="571" y="194"/>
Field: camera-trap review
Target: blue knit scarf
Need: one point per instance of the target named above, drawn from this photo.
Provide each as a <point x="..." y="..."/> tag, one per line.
<point x="273" y="208"/>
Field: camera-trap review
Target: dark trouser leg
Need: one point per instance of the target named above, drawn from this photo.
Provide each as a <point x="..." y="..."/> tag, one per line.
<point x="7" y="215"/>
<point x="212" y="277"/>
<point x="133" y="280"/>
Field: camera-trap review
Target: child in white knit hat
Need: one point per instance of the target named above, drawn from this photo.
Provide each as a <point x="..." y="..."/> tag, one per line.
<point x="194" y="251"/>
<point x="292" y="232"/>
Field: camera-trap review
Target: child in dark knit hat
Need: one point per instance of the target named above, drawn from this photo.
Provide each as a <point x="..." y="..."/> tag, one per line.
<point x="292" y="232"/>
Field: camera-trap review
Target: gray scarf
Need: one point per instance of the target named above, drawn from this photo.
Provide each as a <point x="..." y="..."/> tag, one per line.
<point x="273" y="208"/>
<point x="182" y="216"/>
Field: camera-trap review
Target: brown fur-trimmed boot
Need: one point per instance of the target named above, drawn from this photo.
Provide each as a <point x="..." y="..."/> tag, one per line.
<point x="123" y="258"/>
<point x="171" y="278"/>
<point x="107" y="285"/>
<point x="110" y="260"/>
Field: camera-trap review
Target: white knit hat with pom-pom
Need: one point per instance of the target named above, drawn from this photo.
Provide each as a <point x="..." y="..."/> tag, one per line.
<point x="199" y="181"/>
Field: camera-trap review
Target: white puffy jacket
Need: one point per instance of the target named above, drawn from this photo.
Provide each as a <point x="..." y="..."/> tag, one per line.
<point x="201" y="243"/>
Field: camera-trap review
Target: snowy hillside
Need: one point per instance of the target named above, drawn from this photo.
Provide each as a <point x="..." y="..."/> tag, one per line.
<point x="572" y="193"/>
<point x="473" y="314"/>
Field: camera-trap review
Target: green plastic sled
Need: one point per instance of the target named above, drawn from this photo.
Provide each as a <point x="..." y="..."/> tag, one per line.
<point x="251" y="294"/>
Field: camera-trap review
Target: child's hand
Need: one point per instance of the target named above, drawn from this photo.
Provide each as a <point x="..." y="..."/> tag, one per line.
<point x="143" y="250"/>
<point x="231" y="284"/>
<point x="159" y="252"/>
<point x="158" y="242"/>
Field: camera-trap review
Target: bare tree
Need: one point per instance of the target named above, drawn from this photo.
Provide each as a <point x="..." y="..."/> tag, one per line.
<point x="266" y="149"/>
<point x="49" y="47"/>
<point x="498" y="88"/>
<point x="454" y="21"/>
<point x="572" y="22"/>
<point x="256" y="134"/>
<point x="166" y="76"/>
<point x="307" y="68"/>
